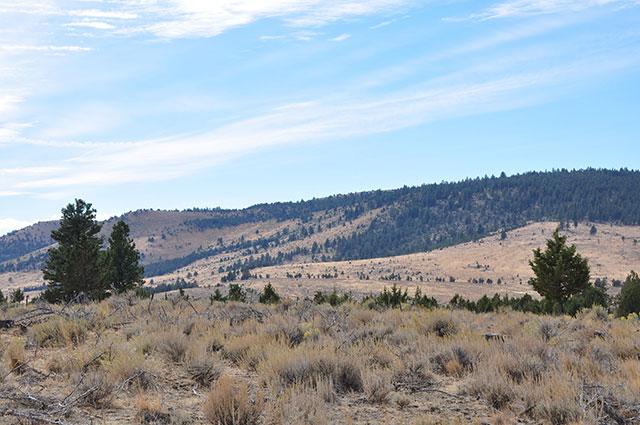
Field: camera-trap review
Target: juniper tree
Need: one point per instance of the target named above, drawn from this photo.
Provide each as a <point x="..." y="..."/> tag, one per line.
<point x="121" y="263"/>
<point x="560" y="271"/>
<point x="72" y="267"/>
<point x="630" y="296"/>
<point x="17" y="296"/>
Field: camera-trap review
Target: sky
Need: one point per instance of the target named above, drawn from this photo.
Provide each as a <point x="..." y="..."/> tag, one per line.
<point x="175" y="104"/>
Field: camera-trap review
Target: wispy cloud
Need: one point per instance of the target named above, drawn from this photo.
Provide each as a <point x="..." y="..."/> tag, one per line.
<point x="97" y="25"/>
<point x="18" y="48"/>
<point x="515" y="8"/>
<point x="344" y="117"/>
<point x="341" y="37"/>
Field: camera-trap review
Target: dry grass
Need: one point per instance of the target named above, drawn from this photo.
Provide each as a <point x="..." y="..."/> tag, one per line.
<point x="308" y="364"/>
<point x="229" y="403"/>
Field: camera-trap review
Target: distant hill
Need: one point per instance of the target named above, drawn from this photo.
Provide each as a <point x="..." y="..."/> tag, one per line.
<point x="358" y="225"/>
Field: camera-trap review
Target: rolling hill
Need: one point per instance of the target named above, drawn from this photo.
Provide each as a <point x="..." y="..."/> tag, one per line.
<point x="354" y="226"/>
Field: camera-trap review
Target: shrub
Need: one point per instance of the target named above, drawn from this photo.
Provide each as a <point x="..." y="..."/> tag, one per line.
<point x="228" y="403"/>
<point x="300" y="405"/>
<point x="95" y="389"/>
<point x="174" y="346"/>
<point x="15" y="356"/>
<point x="493" y="388"/>
<point x="377" y="386"/>
<point x="444" y="327"/>
<point x="454" y="362"/>
<point x="60" y="332"/>
<point x="203" y="368"/>
<point x="310" y="368"/>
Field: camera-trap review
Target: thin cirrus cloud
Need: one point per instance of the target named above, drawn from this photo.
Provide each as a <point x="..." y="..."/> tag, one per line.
<point x="96" y="164"/>
<point x="518" y="8"/>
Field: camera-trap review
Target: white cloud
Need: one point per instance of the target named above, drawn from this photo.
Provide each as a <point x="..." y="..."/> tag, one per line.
<point x="341" y="37"/>
<point x="17" y="48"/>
<point x="513" y="8"/>
<point x="10" y="224"/>
<point x="196" y="18"/>
<point x="98" y="25"/>
<point x="103" y="14"/>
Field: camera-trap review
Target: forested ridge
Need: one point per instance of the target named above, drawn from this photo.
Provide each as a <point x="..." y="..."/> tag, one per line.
<point x="405" y="220"/>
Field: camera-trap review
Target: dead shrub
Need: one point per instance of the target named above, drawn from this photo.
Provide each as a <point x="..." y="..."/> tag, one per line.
<point x="413" y="376"/>
<point x="377" y="386"/>
<point x="300" y="405"/>
<point x="307" y="368"/>
<point x="174" y="346"/>
<point x="203" y="369"/>
<point x="95" y="389"/>
<point x="548" y="329"/>
<point x="228" y="403"/>
<point x="492" y="387"/>
<point x="149" y="410"/>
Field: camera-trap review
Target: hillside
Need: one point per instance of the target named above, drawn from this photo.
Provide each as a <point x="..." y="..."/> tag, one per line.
<point x="353" y="226"/>
<point x="472" y="269"/>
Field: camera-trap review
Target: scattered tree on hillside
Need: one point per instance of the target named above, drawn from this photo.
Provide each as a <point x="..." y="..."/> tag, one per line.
<point x="121" y="265"/>
<point x="73" y="265"/>
<point x="2" y="298"/>
<point x="629" y="296"/>
<point x="593" y="230"/>
<point x="559" y="271"/>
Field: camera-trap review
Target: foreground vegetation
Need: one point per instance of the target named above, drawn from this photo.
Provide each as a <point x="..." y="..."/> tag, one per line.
<point x="179" y="361"/>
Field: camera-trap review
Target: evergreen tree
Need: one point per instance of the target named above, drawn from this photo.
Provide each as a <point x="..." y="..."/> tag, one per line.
<point x="72" y="267"/>
<point x="121" y="267"/>
<point x="269" y="295"/>
<point x="2" y="298"/>
<point x="629" y="296"/>
<point x="559" y="271"/>
<point x="236" y="293"/>
<point x="17" y="296"/>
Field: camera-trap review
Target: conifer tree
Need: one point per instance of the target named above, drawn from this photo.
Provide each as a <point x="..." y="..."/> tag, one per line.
<point x="630" y="296"/>
<point x="72" y="267"/>
<point x="560" y="271"/>
<point x="121" y="265"/>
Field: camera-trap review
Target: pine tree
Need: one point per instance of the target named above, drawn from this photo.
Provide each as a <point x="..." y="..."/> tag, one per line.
<point x="559" y="271"/>
<point x="17" y="296"/>
<point x="3" y="299"/>
<point x="269" y="295"/>
<point x="630" y="296"/>
<point x="72" y="267"/>
<point x="121" y="264"/>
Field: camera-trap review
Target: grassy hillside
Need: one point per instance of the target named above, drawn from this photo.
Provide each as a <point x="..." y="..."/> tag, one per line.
<point x="359" y="225"/>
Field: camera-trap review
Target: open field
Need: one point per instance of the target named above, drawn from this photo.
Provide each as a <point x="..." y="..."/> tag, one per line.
<point x="127" y="360"/>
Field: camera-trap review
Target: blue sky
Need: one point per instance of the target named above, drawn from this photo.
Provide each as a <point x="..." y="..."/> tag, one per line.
<point x="182" y="103"/>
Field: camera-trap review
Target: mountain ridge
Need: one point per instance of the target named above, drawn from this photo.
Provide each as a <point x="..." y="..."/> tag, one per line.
<point x="358" y="225"/>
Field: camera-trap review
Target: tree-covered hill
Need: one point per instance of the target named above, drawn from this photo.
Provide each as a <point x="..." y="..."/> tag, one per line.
<point x="390" y="222"/>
